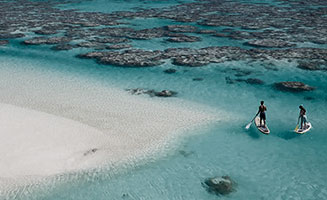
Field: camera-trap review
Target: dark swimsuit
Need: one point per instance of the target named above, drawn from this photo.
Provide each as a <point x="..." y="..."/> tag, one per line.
<point x="262" y="113"/>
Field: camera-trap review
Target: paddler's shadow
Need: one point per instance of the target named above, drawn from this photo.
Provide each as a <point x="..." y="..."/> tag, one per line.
<point x="288" y="135"/>
<point x="253" y="133"/>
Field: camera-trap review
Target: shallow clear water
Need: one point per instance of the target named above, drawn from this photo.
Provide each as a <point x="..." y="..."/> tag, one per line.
<point x="283" y="165"/>
<point x="118" y="5"/>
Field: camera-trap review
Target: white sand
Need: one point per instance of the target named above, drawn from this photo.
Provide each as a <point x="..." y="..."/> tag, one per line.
<point x="37" y="143"/>
<point x="54" y="121"/>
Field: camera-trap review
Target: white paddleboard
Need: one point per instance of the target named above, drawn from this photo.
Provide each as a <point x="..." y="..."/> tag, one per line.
<point x="302" y="130"/>
<point x="262" y="129"/>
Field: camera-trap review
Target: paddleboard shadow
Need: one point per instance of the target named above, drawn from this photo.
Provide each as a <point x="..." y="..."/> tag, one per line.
<point x="288" y="135"/>
<point x="253" y="134"/>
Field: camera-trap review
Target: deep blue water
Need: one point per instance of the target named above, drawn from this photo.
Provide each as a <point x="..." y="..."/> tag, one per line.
<point x="282" y="165"/>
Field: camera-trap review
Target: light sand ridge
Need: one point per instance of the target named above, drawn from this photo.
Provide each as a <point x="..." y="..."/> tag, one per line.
<point x="59" y="123"/>
<point x="39" y="144"/>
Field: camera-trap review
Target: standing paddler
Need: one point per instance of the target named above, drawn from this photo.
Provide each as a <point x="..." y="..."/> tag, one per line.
<point x="303" y="117"/>
<point x="262" y="111"/>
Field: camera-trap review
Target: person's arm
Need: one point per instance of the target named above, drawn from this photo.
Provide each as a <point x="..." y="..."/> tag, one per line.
<point x="258" y="112"/>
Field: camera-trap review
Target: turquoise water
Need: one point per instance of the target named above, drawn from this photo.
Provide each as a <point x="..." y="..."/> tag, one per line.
<point x="283" y="165"/>
<point x="118" y="5"/>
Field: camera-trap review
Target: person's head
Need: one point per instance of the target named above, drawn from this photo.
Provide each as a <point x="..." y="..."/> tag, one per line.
<point x="262" y="102"/>
<point x="301" y="107"/>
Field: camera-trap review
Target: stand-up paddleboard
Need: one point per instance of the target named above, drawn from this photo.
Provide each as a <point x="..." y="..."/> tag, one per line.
<point x="304" y="130"/>
<point x="262" y="129"/>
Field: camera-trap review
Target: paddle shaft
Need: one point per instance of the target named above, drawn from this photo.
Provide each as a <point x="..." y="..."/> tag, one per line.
<point x="249" y="124"/>
<point x="254" y="117"/>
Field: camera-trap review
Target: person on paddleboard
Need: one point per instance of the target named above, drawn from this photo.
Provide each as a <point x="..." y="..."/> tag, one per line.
<point x="262" y="112"/>
<point x="303" y="117"/>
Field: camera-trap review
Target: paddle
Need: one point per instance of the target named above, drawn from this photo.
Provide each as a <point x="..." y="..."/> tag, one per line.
<point x="249" y="124"/>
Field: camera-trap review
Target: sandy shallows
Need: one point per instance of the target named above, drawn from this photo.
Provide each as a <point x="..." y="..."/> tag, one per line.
<point x="37" y="144"/>
<point x="55" y="123"/>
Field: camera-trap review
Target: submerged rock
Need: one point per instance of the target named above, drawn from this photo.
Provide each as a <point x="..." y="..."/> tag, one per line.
<point x="96" y="54"/>
<point x="35" y="41"/>
<point x="44" y="40"/>
<point x="138" y="91"/>
<point x="11" y="35"/>
<point x="61" y="47"/>
<point x="203" y="56"/>
<point x="170" y="71"/>
<point x="152" y="93"/>
<point x="132" y="58"/>
<point x="125" y="195"/>
<point x="4" y="42"/>
<point x="273" y="30"/>
<point x="114" y="40"/>
<point x="309" y="98"/>
<point x="91" y="151"/>
<point x="191" y="60"/>
<point x="91" y="45"/>
<point x="220" y="35"/>
<point x="119" y="46"/>
<point x="293" y="86"/>
<point x="270" y="67"/>
<point x="243" y="72"/>
<point x="184" y="39"/>
<point x="219" y="185"/>
<point x="206" y="31"/>
<point x="252" y="81"/>
<point x="197" y="79"/>
<point x="229" y="80"/>
<point x="127" y="58"/>
<point x="181" y="28"/>
<point x="270" y="43"/>
<point x="45" y="31"/>
<point x="312" y="66"/>
<point x="186" y="153"/>
<point x="165" y="93"/>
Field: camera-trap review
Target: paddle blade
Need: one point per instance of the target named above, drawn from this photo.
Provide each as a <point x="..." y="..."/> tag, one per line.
<point x="296" y="128"/>
<point x="248" y="126"/>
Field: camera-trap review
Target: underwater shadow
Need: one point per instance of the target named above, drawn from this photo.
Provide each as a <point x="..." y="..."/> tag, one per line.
<point x="253" y="133"/>
<point x="288" y="135"/>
